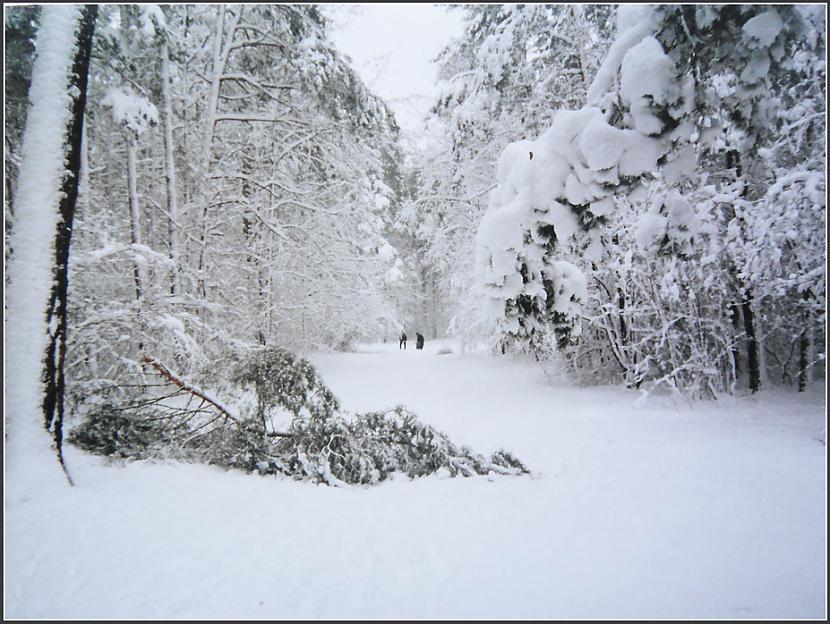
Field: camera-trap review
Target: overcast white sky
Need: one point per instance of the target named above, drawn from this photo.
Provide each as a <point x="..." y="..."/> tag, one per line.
<point x="391" y="46"/>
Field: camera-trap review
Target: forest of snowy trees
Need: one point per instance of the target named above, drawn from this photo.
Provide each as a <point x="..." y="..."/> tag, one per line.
<point x="606" y="243"/>
<point x="646" y="201"/>
<point x="637" y="193"/>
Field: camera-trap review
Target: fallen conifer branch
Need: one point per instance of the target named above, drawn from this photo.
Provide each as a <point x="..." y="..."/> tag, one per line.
<point x="325" y="444"/>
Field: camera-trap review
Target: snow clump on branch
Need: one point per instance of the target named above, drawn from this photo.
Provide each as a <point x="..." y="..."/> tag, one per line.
<point x="134" y="112"/>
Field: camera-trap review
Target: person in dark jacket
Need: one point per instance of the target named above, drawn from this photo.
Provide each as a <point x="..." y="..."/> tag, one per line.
<point x="402" y="344"/>
<point x="419" y="341"/>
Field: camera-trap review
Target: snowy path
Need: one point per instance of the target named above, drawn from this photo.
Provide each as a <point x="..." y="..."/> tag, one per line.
<point x="633" y="512"/>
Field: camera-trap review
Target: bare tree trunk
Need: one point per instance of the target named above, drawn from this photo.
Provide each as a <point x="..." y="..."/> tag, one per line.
<point x="207" y="140"/>
<point x="185" y="79"/>
<point x="54" y="408"/>
<point x="735" y="317"/>
<point x="623" y="326"/>
<point x="170" y="168"/>
<point x="83" y="182"/>
<point x="135" y="214"/>
<point x="803" y="348"/>
<point x="36" y="319"/>
<point x="435" y="306"/>
<point x="752" y="359"/>
<point x="213" y="98"/>
<point x="733" y="160"/>
<point x="577" y="16"/>
<point x="806" y="346"/>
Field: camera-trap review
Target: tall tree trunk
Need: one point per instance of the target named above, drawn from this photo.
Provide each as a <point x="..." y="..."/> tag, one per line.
<point x="135" y="213"/>
<point x="207" y="141"/>
<point x="752" y="359"/>
<point x="42" y="233"/>
<point x="623" y="326"/>
<point x="170" y="168"/>
<point x="83" y="182"/>
<point x="11" y="187"/>
<point x="184" y="72"/>
<point x="735" y="317"/>
<point x="805" y="350"/>
<point x="577" y="14"/>
<point x="54" y="408"/>
<point x="222" y="46"/>
<point x="218" y="69"/>
<point x="803" y="347"/>
<point x="733" y="160"/>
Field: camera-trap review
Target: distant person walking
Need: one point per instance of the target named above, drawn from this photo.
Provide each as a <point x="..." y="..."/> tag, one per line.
<point x="402" y="344"/>
<point x="419" y="341"/>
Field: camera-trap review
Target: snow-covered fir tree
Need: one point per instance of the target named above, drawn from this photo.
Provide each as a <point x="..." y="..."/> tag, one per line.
<point x="502" y="81"/>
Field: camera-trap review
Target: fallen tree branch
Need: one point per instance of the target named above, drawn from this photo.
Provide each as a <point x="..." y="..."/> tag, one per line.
<point x="325" y="444"/>
<point x="172" y="378"/>
<point x="167" y="374"/>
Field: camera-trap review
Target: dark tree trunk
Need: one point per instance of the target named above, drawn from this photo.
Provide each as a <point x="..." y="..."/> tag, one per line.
<point x="733" y="160"/>
<point x="752" y="359"/>
<point x="735" y="316"/>
<point x="623" y="327"/>
<point x="56" y="313"/>
<point x="803" y="348"/>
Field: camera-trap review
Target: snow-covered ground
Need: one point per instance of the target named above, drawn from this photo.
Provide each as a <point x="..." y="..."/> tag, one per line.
<point x="651" y="511"/>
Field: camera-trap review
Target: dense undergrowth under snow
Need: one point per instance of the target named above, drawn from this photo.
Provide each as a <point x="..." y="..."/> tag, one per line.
<point x="660" y="510"/>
